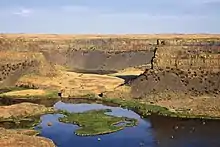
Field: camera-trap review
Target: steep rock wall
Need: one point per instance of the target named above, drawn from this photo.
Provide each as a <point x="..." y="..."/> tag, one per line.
<point x="96" y="60"/>
<point x="190" y="82"/>
<point x="197" y="55"/>
<point x="181" y="69"/>
<point x="188" y="57"/>
<point x="15" y="64"/>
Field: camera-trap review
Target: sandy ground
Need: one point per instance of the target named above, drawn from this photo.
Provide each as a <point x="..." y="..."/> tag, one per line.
<point x="22" y="109"/>
<point x="35" y="92"/>
<point x="13" y="138"/>
<point x="71" y="83"/>
<point x="129" y="71"/>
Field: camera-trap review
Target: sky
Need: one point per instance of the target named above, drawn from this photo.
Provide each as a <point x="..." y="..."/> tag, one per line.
<point x="109" y="16"/>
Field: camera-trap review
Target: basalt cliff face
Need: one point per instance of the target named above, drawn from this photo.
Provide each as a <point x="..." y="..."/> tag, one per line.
<point x="174" y="63"/>
<point x="25" y="55"/>
<point x="189" y="67"/>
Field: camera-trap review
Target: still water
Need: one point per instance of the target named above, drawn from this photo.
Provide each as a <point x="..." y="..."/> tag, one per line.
<point x="155" y="131"/>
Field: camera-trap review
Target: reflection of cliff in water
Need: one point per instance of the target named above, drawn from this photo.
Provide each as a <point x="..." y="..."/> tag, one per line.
<point x="176" y="132"/>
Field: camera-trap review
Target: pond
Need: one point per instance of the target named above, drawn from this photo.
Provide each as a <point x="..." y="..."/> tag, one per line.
<point x="154" y="131"/>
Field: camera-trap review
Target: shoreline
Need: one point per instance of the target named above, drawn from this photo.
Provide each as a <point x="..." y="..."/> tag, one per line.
<point x="142" y="109"/>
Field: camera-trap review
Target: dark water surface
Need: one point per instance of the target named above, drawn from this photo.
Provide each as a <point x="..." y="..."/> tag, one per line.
<point x="154" y="131"/>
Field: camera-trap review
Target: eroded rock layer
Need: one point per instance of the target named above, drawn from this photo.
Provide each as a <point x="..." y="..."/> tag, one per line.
<point x="178" y="63"/>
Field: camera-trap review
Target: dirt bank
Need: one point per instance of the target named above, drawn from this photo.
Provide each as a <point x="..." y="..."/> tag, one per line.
<point x="16" y="138"/>
<point x="22" y="110"/>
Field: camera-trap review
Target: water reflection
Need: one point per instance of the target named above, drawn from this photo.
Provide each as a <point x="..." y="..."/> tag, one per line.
<point x="63" y="134"/>
<point x="155" y="131"/>
<point x="173" y="132"/>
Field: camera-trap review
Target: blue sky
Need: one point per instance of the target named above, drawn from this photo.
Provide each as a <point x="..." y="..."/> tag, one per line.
<point x="109" y="17"/>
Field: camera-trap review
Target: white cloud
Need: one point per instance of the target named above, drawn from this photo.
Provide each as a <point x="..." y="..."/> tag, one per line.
<point x="23" y="12"/>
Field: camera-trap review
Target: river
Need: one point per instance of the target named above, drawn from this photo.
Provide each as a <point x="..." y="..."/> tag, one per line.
<point x="154" y="131"/>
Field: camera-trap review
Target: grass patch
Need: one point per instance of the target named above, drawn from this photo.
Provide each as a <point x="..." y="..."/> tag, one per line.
<point x="96" y="122"/>
<point x="25" y="122"/>
<point x="146" y="110"/>
<point x="140" y="108"/>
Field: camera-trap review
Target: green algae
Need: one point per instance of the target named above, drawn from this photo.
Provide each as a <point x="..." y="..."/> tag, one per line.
<point x="96" y="122"/>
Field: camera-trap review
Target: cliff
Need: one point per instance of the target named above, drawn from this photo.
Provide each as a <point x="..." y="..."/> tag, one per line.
<point x="189" y="61"/>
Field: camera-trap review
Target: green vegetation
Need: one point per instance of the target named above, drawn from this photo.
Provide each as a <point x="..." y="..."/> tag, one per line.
<point x="148" y="109"/>
<point x="96" y="122"/>
<point x="134" y="105"/>
<point x="141" y="108"/>
<point x="145" y="109"/>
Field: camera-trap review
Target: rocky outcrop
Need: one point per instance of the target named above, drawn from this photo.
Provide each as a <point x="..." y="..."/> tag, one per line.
<point x="189" y="82"/>
<point x="15" y="64"/>
<point x="188" y="67"/>
<point x="188" y="57"/>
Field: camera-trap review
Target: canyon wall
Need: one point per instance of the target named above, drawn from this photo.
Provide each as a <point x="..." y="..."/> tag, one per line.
<point x="187" y="64"/>
<point x="189" y="68"/>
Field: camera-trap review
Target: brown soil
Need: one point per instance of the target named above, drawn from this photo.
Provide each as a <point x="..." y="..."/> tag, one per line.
<point x="22" y="110"/>
<point x="129" y="71"/>
<point x="14" y="138"/>
<point x="74" y="84"/>
<point x="34" y="92"/>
